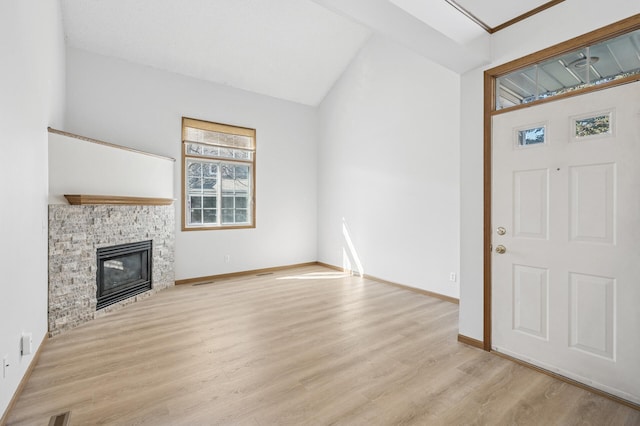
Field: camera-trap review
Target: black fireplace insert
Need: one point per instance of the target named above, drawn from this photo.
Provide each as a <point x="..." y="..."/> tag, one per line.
<point x="123" y="271"/>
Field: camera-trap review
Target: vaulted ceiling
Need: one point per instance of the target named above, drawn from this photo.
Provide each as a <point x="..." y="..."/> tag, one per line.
<point x="289" y="49"/>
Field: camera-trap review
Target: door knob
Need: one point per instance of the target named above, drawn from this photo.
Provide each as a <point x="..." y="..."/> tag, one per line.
<point x="501" y="249"/>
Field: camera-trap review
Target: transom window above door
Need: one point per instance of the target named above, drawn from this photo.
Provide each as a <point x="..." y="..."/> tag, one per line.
<point x="218" y="175"/>
<point x="588" y="66"/>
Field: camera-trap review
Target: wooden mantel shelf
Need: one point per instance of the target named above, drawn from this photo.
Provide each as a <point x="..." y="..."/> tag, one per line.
<point x="82" y="199"/>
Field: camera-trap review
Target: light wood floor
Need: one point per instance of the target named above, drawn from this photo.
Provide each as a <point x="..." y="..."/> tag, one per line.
<point x="300" y="347"/>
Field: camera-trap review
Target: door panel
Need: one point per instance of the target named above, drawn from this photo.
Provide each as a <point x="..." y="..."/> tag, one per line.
<point x="592" y="322"/>
<point x="592" y="201"/>
<point x="566" y="189"/>
<point x="530" y="203"/>
<point x="530" y="302"/>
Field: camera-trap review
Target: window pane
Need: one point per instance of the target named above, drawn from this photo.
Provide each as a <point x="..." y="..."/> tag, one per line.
<point x="227" y="202"/>
<point x="195" y="184"/>
<point x="226" y="153"/>
<point x="227" y="171"/>
<point x="209" y="184"/>
<point x="242" y="181"/>
<point x="194" y="168"/>
<point x="611" y="59"/>
<point x="196" y="216"/>
<point x="210" y="170"/>
<point x="241" y="216"/>
<point x="194" y="176"/>
<point x="210" y="216"/>
<point x="516" y="88"/>
<point x="584" y="67"/>
<point x="193" y="149"/>
<point x="241" y="202"/>
<point x="227" y="216"/>
<point x="217" y="152"/>
<point x="532" y="136"/>
<point x="200" y="149"/>
<point x="218" y="138"/>
<point x="242" y="172"/>
<point x="591" y="126"/>
<point x="242" y="155"/>
<point x="209" y="202"/>
<point x="196" y="202"/>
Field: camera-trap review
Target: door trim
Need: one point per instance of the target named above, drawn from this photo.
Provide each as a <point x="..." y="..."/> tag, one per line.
<point x="618" y="28"/>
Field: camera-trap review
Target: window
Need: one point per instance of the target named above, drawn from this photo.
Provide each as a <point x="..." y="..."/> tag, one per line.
<point x="592" y="125"/>
<point x="218" y="175"/>
<point x="613" y="59"/>
<point x="531" y="136"/>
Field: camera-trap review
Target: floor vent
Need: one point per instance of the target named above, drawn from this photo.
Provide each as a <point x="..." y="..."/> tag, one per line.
<point x="264" y="273"/>
<point x="60" y="419"/>
<point x="208" y="282"/>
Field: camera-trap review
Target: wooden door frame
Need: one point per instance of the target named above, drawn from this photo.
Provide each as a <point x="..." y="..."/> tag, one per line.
<point x="616" y="29"/>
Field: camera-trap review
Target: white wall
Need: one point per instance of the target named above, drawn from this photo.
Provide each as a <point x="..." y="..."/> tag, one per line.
<point x="388" y="168"/>
<point x="141" y="107"/>
<point x="555" y="25"/>
<point x="32" y="98"/>
<point x="77" y="166"/>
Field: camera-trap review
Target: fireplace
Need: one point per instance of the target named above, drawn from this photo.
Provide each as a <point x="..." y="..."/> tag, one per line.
<point x="124" y="270"/>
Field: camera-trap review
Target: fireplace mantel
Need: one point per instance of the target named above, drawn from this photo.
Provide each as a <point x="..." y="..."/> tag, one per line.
<point x="83" y="199"/>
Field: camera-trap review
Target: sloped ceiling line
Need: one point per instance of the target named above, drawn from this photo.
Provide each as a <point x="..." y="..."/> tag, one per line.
<point x="491" y="30"/>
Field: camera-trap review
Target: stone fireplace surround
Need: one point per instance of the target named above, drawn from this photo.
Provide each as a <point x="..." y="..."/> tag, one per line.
<point x="75" y="234"/>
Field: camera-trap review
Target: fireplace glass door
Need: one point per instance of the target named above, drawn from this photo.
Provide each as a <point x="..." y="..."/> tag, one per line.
<point x="123" y="271"/>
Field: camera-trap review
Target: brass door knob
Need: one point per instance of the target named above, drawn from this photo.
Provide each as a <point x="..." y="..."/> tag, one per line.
<point x="501" y="249"/>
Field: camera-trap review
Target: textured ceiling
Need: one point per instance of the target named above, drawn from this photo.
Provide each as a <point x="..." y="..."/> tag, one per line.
<point x="290" y="49"/>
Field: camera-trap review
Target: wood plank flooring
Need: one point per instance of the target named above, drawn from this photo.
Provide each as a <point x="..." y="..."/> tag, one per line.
<point x="307" y="346"/>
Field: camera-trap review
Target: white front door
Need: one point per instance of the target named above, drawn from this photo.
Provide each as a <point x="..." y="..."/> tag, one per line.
<point x="566" y="209"/>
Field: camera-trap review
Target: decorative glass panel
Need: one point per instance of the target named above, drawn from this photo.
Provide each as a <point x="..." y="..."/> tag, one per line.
<point x="533" y="136"/>
<point x="592" y="126"/>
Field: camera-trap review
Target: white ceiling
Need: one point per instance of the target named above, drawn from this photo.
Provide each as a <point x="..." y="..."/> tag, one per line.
<point x="442" y="17"/>
<point x="289" y="49"/>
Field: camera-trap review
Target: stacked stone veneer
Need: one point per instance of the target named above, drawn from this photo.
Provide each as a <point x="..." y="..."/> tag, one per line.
<point x="76" y="232"/>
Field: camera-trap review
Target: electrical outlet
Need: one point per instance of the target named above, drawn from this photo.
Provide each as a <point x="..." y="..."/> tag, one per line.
<point x="452" y="277"/>
<point x="26" y="344"/>
<point x="227" y="258"/>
